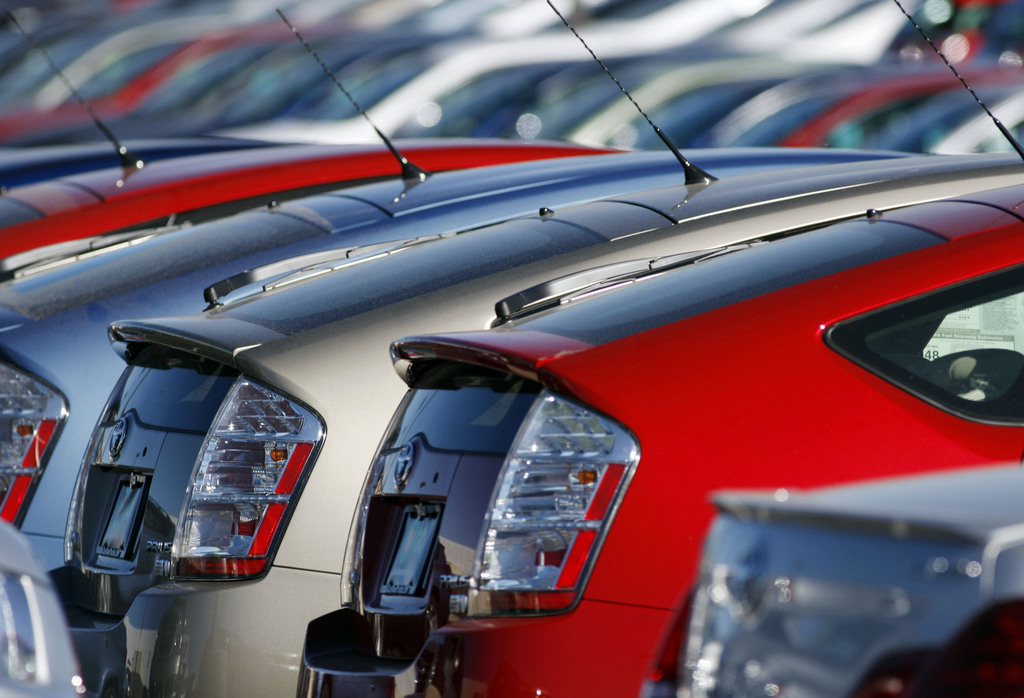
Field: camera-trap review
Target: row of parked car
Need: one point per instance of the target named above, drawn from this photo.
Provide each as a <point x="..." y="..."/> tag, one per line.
<point x="544" y="480"/>
<point x="848" y="73"/>
<point x="229" y="491"/>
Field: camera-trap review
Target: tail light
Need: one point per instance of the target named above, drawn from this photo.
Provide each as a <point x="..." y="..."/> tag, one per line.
<point x="553" y="502"/>
<point x="985" y="659"/>
<point x="29" y="415"/>
<point x="891" y="678"/>
<point x="255" y="456"/>
<point x="18" y="661"/>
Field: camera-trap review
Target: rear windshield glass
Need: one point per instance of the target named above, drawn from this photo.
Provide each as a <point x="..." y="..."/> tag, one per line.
<point x="961" y="348"/>
<point x="699" y="288"/>
<point x="175" y="391"/>
<point x="464" y="409"/>
<point x="119" y="269"/>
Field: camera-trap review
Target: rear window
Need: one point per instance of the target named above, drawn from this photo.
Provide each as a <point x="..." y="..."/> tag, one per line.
<point x="119" y="269"/>
<point x="175" y="391"/>
<point x="702" y="287"/>
<point x="961" y="348"/>
<point x="464" y="409"/>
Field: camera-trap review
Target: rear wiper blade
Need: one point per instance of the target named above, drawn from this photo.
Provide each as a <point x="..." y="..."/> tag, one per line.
<point x="565" y="289"/>
<point x="304" y="267"/>
<point x="58" y="254"/>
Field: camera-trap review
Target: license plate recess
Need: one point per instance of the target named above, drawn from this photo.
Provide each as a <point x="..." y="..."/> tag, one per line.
<point x="121" y="532"/>
<point x="410" y="563"/>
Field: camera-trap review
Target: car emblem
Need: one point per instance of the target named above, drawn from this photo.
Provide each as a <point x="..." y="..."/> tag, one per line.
<point x="744" y="578"/>
<point x="403" y="466"/>
<point x="115" y="441"/>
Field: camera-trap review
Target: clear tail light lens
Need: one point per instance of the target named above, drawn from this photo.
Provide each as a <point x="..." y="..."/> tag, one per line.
<point x="30" y="413"/>
<point x="554" y="500"/>
<point x="17" y="632"/>
<point x="255" y="456"/>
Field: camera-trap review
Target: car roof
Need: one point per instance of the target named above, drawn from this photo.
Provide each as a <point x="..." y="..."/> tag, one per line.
<point x="104" y="200"/>
<point x="587" y="317"/>
<point x="328" y="295"/>
<point x="335" y="220"/>
<point x="20" y="166"/>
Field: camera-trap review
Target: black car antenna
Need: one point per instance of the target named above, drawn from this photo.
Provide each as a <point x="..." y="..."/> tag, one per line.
<point x="128" y="161"/>
<point x="411" y="174"/>
<point x="999" y="124"/>
<point x="694" y="174"/>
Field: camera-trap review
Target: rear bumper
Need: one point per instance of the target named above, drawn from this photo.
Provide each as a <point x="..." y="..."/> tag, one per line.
<point x="204" y="638"/>
<point x="597" y="649"/>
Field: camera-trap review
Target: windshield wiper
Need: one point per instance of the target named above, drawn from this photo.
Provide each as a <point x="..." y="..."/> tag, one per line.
<point x="570" y="287"/>
<point x="58" y="254"/>
<point x="304" y="267"/>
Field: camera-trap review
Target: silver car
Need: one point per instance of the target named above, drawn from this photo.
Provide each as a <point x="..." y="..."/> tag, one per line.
<point x="36" y="657"/>
<point x="906" y="587"/>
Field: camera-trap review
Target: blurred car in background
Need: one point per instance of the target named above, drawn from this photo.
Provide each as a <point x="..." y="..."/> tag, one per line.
<point x="36" y="657"/>
<point x="864" y="110"/>
<point x="272" y="85"/>
<point x="19" y="166"/>
<point x="835" y="106"/>
<point x="488" y="75"/>
<point x="684" y="100"/>
<point x="546" y="480"/>
<point x="966" y="30"/>
<point x="104" y="56"/>
<point x="457" y="68"/>
<point x="899" y="588"/>
<point x="194" y="67"/>
<point x="973" y="135"/>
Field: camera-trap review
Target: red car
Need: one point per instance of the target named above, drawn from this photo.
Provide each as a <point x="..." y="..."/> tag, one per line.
<point x="193" y="188"/>
<point x="536" y="508"/>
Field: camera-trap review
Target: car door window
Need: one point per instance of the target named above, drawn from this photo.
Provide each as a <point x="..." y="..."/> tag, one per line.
<point x="961" y="348"/>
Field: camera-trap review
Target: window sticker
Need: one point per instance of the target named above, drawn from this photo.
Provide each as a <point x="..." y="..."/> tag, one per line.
<point x="994" y="325"/>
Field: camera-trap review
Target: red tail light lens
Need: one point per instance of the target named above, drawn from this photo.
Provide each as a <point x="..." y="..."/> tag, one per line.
<point x="985" y="660"/>
<point x="29" y="415"/>
<point x="254" y="457"/>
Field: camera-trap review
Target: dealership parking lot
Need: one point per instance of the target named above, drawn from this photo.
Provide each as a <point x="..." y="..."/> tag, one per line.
<point x="359" y="346"/>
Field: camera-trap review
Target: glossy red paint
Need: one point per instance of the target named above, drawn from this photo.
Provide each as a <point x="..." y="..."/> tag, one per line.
<point x="746" y="396"/>
<point x="520" y="352"/>
<point x="107" y="200"/>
